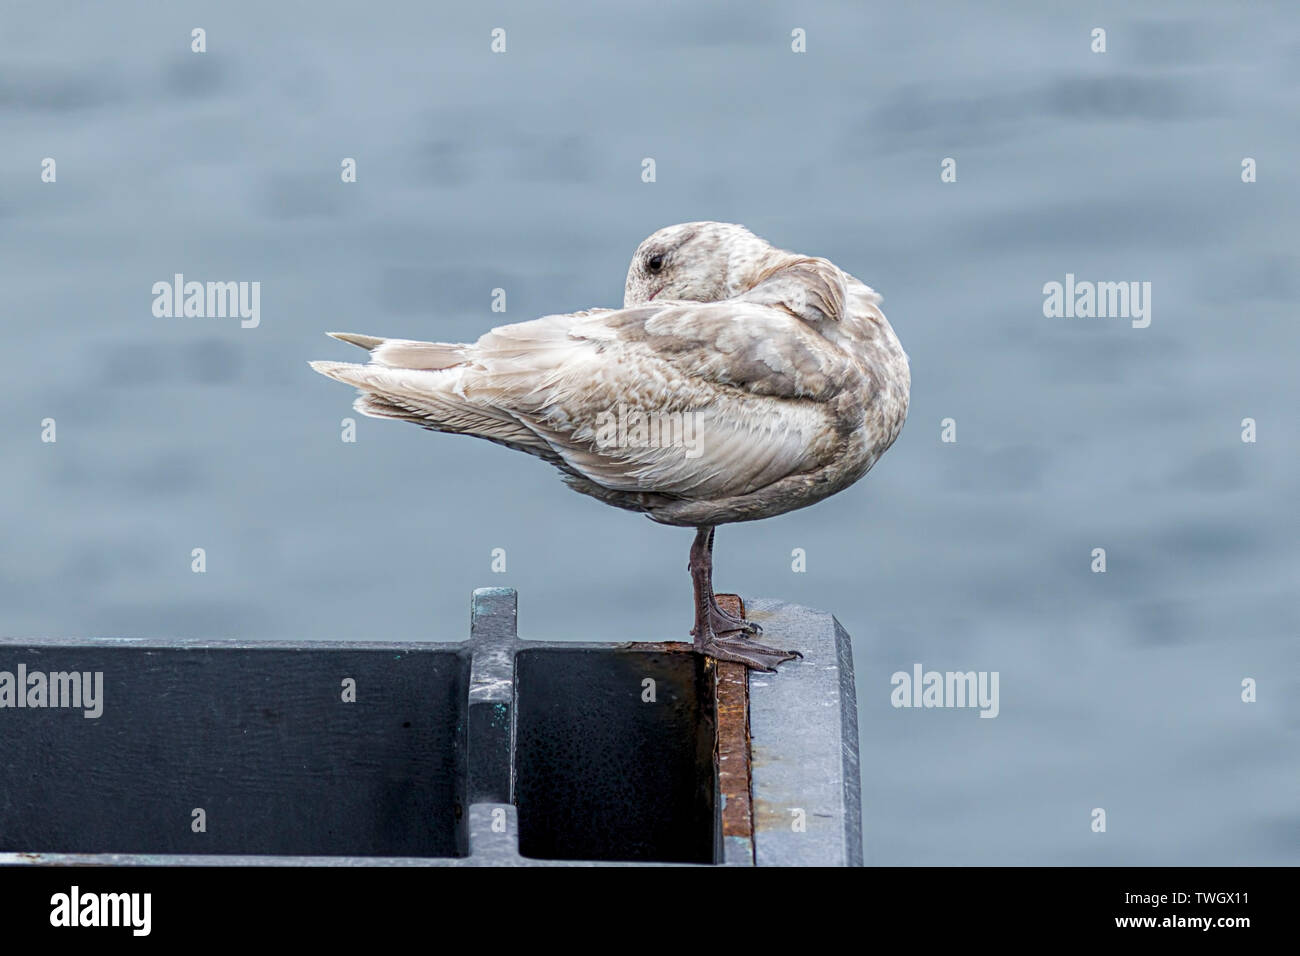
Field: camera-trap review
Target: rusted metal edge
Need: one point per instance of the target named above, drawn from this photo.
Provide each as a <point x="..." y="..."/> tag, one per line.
<point x="731" y="755"/>
<point x="731" y="702"/>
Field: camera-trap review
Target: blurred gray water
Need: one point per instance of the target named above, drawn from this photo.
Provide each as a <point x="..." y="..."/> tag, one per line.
<point x="522" y="171"/>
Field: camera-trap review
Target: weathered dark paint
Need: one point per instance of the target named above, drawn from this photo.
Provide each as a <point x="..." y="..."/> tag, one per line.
<point x="258" y="739"/>
<point x="600" y="773"/>
<point x="257" y="735"/>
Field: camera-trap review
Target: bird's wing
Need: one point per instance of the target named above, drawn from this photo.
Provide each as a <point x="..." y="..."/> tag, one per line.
<point x="683" y="398"/>
<point x="811" y="289"/>
<point x="424" y="382"/>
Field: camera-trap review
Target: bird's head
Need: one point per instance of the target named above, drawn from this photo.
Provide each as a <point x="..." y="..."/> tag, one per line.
<point x="697" y="262"/>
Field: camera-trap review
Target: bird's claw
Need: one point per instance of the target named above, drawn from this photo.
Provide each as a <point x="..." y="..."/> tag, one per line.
<point x="734" y="646"/>
<point x="720" y="622"/>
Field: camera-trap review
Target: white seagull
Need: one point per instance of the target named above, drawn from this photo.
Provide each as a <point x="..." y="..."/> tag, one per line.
<point x="738" y="381"/>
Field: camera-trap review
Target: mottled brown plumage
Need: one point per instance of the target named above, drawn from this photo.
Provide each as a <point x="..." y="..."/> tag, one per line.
<point x="793" y="381"/>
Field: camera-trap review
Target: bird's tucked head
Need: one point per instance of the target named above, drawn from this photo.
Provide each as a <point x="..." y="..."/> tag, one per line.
<point x="697" y="262"/>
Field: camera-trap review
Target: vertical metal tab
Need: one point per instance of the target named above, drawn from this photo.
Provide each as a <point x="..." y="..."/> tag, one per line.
<point x="491" y="694"/>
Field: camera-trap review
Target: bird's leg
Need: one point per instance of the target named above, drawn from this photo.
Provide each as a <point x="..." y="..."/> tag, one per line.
<point x="719" y="619"/>
<point x="718" y="634"/>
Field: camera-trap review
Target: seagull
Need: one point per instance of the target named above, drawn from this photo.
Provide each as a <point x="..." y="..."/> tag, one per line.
<point x="739" y="381"/>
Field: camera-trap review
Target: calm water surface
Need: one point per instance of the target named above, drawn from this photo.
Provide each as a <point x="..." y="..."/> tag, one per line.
<point x="522" y="171"/>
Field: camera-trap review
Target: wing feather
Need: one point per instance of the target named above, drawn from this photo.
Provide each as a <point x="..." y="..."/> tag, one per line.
<point x="744" y="388"/>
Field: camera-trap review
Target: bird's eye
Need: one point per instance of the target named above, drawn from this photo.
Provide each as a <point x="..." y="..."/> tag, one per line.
<point x="655" y="263"/>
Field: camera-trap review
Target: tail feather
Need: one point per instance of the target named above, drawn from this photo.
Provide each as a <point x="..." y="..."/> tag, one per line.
<point x="406" y="353"/>
<point x="365" y="341"/>
<point x="429" y="397"/>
